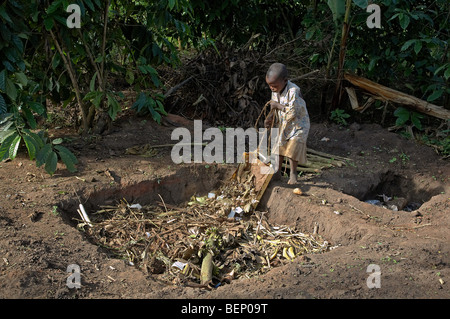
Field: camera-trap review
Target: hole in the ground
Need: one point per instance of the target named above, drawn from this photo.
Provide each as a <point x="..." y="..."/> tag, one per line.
<point x="171" y="232"/>
<point x="174" y="189"/>
<point x="399" y="193"/>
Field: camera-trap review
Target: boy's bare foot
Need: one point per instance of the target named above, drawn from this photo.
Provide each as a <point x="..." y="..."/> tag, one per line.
<point x="292" y="179"/>
<point x="293" y="172"/>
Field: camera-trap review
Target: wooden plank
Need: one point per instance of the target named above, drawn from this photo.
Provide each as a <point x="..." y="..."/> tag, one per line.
<point x="261" y="172"/>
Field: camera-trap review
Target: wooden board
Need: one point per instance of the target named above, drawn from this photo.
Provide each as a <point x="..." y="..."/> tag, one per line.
<point x="262" y="173"/>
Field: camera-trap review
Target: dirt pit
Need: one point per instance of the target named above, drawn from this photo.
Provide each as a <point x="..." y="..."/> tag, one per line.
<point x="166" y="229"/>
<point x="396" y="192"/>
<point x="39" y="238"/>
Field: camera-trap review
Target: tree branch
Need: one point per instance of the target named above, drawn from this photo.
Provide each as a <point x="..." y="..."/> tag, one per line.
<point x="73" y="79"/>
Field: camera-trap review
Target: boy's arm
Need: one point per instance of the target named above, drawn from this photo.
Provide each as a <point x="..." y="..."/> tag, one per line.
<point x="295" y="107"/>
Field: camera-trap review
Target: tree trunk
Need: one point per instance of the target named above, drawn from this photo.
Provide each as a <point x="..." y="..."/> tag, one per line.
<point x="73" y="79"/>
<point x="345" y="30"/>
<point x="398" y="97"/>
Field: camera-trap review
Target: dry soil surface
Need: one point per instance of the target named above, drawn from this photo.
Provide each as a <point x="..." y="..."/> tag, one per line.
<point x="39" y="240"/>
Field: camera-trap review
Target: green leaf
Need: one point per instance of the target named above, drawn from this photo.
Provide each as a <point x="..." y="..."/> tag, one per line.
<point x="65" y="4"/>
<point x="151" y="70"/>
<point x="11" y="54"/>
<point x="92" y="84"/>
<point x="67" y="158"/>
<point x="3" y="80"/>
<point x="394" y="16"/>
<point x="160" y="108"/>
<point x="5" y="32"/>
<point x="56" y="60"/>
<point x="50" y="162"/>
<point x="404" y="21"/>
<point x="5" y="118"/>
<point x="69" y="164"/>
<point x="309" y="34"/>
<point x="3" y="106"/>
<point x="151" y="107"/>
<point x="17" y="42"/>
<point x="4" y="148"/>
<point x="129" y="77"/>
<point x="22" y="78"/>
<point x="143" y="69"/>
<point x="94" y="96"/>
<point x="435" y="95"/>
<point x="407" y="44"/>
<point x="89" y="4"/>
<point x="42" y="154"/>
<point x="156" y="50"/>
<point x="113" y="106"/>
<point x="30" y="118"/>
<point x="415" y="119"/>
<point x="31" y="146"/>
<point x="361" y="3"/>
<point x="439" y="69"/>
<point x="98" y="99"/>
<point x="447" y="73"/>
<point x="37" y="140"/>
<point x="53" y="7"/>
<point x="6" y="130"/>
<point x="35" y="16"/>
<point x="37" y="107"/>
<point x="337" y="8"/>
<point x="401" y="111"/>
<point x="372" y="64"/>
<point x="57" y="141"/>
<point x="140" y="102"/>
<point x="49" y="23"/>
<point x="402" y="115"/>
<point x="89" y="96"/>
<point x="8" y="65"/>
<point x="67" y="152"/>
<point x="155" y="80"/>
<point x="417" y="46"/>
<point x="4" y="15"/>
<point x="11" y="90"/>
<point x="4" y="134"/>
<point x="400" y="121"/>
<point x="14" y="147"/>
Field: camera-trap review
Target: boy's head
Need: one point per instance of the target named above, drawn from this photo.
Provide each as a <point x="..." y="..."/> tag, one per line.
<point x="277" y="77"/>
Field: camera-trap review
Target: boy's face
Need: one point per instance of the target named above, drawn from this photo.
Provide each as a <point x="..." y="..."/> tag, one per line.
<point x="276" y="85"/>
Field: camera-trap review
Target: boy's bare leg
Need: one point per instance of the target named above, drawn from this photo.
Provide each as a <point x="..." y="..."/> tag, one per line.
<point x="277" y="175"/>
<point x="293" y="172"/>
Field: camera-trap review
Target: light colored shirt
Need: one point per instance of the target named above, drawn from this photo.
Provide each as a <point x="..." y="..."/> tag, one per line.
<point x="294" y="119"/>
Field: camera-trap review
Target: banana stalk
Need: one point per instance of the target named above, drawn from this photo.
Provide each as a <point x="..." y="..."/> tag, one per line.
<point x="206" y="270"/>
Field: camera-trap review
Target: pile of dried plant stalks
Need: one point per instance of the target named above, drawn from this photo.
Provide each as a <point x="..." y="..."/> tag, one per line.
<point x="211" y="240"/>
<point x="226" y="86"/>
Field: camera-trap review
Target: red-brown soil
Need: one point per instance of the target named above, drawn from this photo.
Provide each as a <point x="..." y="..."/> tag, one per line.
<point x="38" y="240"/>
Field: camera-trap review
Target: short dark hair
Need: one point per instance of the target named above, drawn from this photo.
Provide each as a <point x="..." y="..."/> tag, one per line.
<point x="277" y="71"/>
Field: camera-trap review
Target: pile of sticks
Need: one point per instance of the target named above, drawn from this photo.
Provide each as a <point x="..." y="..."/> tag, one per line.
<point x="318" y="161"/>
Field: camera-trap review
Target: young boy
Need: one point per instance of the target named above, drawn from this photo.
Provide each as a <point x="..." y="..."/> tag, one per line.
<point x="293" y="119"/>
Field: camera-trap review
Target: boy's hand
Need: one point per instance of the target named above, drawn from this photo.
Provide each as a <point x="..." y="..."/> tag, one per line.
<point x="276" y="105"/>
<point x="268" y="122"/>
